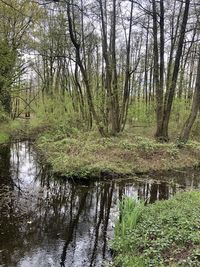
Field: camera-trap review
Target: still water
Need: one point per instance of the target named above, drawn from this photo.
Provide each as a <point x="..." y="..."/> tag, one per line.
<point x="48" y="222"/>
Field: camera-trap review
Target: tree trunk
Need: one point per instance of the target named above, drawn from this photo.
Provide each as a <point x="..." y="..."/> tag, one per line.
<point x="184" y="136"/>
<point x="126" y="93"/>
<point x="115" y="120"/>
<point x="163" y="135"/>
<point x="83" y="72"/>
<point x="159" y="92"/>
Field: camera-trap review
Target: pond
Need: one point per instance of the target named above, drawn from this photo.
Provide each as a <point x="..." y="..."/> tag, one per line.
<point x="46" y="221"/>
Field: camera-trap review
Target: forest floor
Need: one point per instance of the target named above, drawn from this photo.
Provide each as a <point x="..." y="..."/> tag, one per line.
<point x="90" y="156"/>
<point x="76" y="154"/>
<point x="165" y="233"/>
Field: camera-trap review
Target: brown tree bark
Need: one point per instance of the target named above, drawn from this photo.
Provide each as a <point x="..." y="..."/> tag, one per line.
<point x="83" y="71"/>
<point x="115" y="115"/>
<point x="162" y="135"/>
<point x="184" y="136"/>
<point x="159" y="89"/>
<point x="126" y="93"/>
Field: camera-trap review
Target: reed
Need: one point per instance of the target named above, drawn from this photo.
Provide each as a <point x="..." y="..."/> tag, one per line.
<point x="130" y="213"/>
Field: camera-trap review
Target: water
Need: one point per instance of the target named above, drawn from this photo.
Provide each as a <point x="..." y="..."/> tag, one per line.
<point x="48" y="222"/>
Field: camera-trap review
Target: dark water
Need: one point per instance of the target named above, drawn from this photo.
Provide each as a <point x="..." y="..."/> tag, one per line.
<point x="47" y="222"/>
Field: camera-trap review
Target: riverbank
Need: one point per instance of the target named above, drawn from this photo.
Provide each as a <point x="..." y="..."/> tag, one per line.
<point x="165" y="233"/>
<point x="11" y="129"/>
<point x="86" y="155"/>
<point x="80" y="154"/>
<point x="79" y="214"/>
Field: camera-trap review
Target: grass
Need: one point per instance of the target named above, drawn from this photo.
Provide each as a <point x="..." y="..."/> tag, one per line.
<point x="72" y="151"/>
<point x="4" y="137"/>
<point x="10" y="129"/>
<point x="130" y="213"/>
<point x="85" y="154"/>
<point x="167" y="233"/>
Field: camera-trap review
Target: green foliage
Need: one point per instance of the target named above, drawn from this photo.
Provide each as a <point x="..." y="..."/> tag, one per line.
<point x="180" y="112"/>
<point x="126" y="144"/>
<point x="129" y="261"/>
<point x="141" y="144"/>
<point x="76" y="157"/>
<point x="73" y="151"/>
<point x="146" y="145"/>
<point x="193" y="145"/>
<point x="7" y="63"/>
<point x="9" y="129"/>
<point x="3" y="116"/>
<point x="173" y="151"/>
<point x="77" y="153"/>
<point x="7" y="60"/>
<point x="130" y="213"/>
<point x="140" y="113"/>
<point x="166" y="233"/>
<point x="196" y="129"/>
<point x="4" y="137"/>
<point x="57" y="114"/>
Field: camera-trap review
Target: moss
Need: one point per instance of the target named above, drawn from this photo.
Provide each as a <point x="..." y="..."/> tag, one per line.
<point x="166" y="234"/>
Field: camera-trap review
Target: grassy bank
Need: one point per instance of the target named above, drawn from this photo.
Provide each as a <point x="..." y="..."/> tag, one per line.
<point x="82" y="155"/>
<point x="166" y="233"/>
<point x="10" y="130"/>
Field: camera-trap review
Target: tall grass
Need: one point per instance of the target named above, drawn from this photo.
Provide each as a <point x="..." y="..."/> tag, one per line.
<point x="130" y="213"/>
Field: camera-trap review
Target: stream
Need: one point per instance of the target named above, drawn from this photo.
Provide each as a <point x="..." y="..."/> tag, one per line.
<point x="48" y="222"/>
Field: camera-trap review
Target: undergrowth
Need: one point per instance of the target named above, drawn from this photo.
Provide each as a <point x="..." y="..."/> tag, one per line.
<point x="85" y="154"/>
<point x="8" y="129"/>
<point x="166" y="233"/>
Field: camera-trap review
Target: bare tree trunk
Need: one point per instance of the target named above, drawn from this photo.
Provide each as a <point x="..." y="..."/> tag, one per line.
<point x="108" y="71"/>
<point x="163" y="136"/>
<point x="159" y="92"/>
<point x="126" y="94"/>
<point x="184" y="136"/>
<point x="174" y="35"/>
<point x="146" y="65"/>
<point x="83" y="72"/>
<point x="115" y="120"/>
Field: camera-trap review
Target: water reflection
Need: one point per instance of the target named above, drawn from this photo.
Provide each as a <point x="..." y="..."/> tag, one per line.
<point x="46" y="221"/>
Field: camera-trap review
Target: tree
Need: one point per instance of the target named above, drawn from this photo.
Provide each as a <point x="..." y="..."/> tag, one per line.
<point x="7" y="63"/>
<point x="163" y="134"/>
<point x="17" y="18"/>
<point x="184" y="136"/>
<point x="96" y="60"/>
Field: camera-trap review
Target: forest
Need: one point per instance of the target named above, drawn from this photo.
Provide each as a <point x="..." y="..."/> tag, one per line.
<point x="104" y="65"/>
<point x="106" y="90"/>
